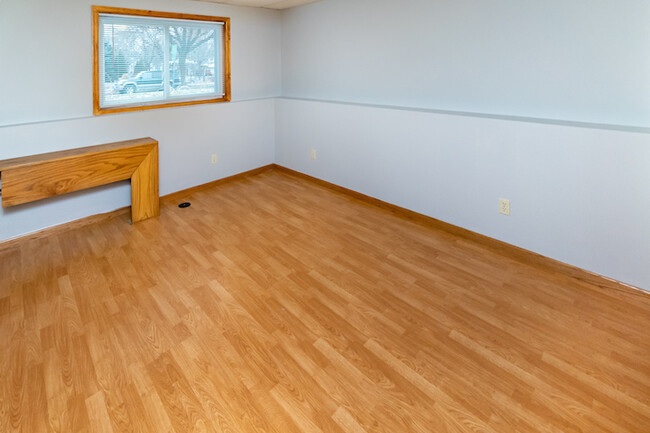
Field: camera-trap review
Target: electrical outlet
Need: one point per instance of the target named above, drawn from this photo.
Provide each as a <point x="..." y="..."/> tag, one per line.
<point x="313" y="154"/>
<point x="504" y="206"/>
<point x="214" y="158"/>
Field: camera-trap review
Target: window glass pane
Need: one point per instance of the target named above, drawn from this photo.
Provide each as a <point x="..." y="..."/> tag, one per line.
<point x="130" y="52"/>
<point x="192" y="56"/>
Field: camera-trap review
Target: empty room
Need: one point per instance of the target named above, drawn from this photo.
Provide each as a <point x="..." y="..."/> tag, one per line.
<point x="325" y="216"/>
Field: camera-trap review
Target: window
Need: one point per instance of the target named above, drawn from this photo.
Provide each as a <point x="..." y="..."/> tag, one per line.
<point x="144" y="59"/>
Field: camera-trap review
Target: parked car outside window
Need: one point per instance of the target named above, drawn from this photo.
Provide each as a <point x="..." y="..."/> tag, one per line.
<point x="146" y="81"/>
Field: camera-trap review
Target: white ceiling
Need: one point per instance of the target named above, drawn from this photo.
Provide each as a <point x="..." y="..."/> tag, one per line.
<point x="271" y="4"/>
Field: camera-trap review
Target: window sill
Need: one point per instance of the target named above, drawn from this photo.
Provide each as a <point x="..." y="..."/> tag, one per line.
<point x="110" y="110"/>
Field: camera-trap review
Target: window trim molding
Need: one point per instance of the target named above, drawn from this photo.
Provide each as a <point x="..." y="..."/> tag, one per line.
<point x="96" y="10"/>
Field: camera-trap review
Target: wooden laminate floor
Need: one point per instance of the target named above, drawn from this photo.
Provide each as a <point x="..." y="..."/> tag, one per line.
<point x="275" y="305"/>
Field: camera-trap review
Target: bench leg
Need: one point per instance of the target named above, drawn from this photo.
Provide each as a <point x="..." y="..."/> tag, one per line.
<point x="145" y="201"/>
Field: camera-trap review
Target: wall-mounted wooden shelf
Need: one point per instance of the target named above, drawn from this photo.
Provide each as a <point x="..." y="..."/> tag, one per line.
<point x="35" y="177"/>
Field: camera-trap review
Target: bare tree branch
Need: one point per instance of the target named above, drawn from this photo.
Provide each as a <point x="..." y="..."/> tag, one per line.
<point x="188" y="39"/>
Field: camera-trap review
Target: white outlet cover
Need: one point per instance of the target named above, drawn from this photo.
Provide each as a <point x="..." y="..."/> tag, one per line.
<point x="504" y="206"/>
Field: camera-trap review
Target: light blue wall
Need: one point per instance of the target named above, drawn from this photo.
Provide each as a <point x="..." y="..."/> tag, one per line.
<point x="581" y="60"/>
<point x="579" y="188"/>
<point x="46" y="54"/>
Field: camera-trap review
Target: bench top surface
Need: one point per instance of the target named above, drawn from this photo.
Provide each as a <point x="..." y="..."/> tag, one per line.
<point x="24" y="161"/>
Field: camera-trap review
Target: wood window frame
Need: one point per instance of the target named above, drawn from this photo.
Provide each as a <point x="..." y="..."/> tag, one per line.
<point x="97" y="10"/>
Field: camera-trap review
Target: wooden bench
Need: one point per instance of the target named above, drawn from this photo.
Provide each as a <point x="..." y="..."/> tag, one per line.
<point x="35" y="177"/>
